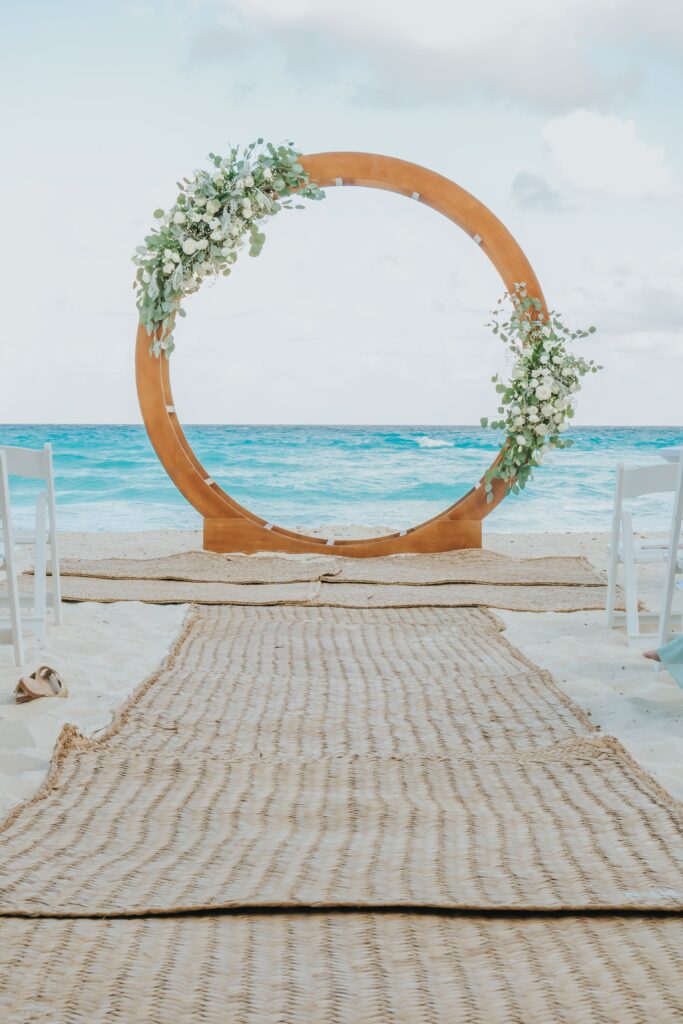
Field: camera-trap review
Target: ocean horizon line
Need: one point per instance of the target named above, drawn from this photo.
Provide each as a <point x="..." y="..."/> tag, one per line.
<point x="334" y="426"/>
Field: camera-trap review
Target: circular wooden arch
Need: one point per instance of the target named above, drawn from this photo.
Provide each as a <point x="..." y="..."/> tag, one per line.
<point x="230" y="527"/>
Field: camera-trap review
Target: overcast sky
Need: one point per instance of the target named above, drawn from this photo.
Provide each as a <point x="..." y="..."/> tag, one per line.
<point x="564" y="117"/>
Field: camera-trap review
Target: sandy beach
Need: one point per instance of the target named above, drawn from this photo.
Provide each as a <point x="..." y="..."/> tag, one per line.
<point x="105" y="651"/>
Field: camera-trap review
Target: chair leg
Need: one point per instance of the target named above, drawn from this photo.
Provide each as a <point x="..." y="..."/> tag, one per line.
<point x="630" y="582"/>
<point x="56" y="579"/>
<point x="611" y="586"/>
<point x="54" y="546"/>
<point x="15" y="616"/>
<point x="40" y="568"/>
<point x="665" y="615"/>
<point x="615" y="532"/>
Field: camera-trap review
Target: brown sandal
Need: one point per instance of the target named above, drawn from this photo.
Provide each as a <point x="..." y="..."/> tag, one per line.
<point x="44" y="682"/>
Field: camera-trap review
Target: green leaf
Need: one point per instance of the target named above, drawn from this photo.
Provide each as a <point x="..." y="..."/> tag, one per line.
<point x="159" y="213"/>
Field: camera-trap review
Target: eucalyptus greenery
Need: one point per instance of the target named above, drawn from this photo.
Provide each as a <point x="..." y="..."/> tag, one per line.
<point x="537" y="401"/>
<point x="201" y="234"/>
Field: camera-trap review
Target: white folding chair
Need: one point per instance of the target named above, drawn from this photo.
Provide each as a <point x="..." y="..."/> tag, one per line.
<point x="674" y="564"/>
<point x="625" y="547"/>
<point x="7" y="564"/>
<point x="36" y="464"/>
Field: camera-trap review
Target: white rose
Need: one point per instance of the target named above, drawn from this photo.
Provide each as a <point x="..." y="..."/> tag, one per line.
<point x="555" y="389"/>
<point x="207" y="267"/>
<point x="573" y="388"/>
<point x="541" y="429"/>
<point x="179" y="217"/>
<point x="217" y="235"/>
<point x="249" y="181"/>
<point x="561" y="428"/>
<point x="234" y="229"/>
<point x="168" y="254"/>
<point x="189" y="246"/>
<point x="543" y="392"/>
<point x="169" y="268"/>
<point x="267" y="174"/>
<point x="200" y="201"/>
<point x="532" y="417"/>
<point x="544" y="358"/>
<point x="195" y="217"/>
<point x="202" y="244"/>
<point x="515" y="410"/>
<point x="520" y="439"/>
<point x="548" y="410"/>
<point x="218" y="180"/>
<point x="213" y="206"/>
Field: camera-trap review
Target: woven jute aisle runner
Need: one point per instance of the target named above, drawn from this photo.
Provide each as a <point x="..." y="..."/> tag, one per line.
<point x="470" y="578"/>
<point x="289" y="759"/>
<point x="474" y="565"/>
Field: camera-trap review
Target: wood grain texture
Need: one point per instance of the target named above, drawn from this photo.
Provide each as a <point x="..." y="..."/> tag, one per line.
<point x="228" y="526"/>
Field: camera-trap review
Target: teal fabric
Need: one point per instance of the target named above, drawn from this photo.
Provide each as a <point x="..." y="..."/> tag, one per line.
<point x="672" y="656"/>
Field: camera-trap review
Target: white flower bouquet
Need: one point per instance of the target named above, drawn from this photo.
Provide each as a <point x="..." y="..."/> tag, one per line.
<point x="201" y="234"/>
<point x="537" y="401"/>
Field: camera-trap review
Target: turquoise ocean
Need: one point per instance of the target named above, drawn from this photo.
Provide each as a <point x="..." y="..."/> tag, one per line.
<point x="108" y="477"/>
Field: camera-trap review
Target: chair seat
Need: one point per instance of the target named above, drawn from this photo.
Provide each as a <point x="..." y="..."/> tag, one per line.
<point x="650" y="556"/>
<point x="27" y="538"/>
<point x="24" y="537"/>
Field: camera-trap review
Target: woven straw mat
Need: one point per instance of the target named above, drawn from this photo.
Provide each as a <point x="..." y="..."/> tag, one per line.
<point x="342" y="968"/>
<point x="468" y="566"/>
<point x="323" y="757"/>
<point x="338" y="595"/>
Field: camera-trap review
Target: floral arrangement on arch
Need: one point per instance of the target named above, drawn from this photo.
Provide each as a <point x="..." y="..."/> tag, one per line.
<point x="201" y="234"/>
<point x="538" y="400"/>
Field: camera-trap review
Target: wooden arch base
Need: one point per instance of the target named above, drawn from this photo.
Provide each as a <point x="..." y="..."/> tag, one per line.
<point x="230" y="527"/>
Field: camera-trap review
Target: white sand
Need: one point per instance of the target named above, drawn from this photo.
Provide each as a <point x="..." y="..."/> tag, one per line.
<point x="105" y="651"/>
<point x="611" y="681"/>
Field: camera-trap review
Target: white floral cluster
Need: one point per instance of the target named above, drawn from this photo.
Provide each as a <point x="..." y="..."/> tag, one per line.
<point x="201" y="234"/>
<point x="538" y="400"/>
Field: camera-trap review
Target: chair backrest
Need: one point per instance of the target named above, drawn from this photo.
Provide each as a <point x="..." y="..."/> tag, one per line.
<point x="677" y="517"/>
<point x="32" y="463"/>
<point x="640" y="480"/>
<point x="634" y="483"/>
<point x="5" y="509"/>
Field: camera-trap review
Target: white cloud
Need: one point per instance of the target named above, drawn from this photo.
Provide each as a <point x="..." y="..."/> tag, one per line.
<point x="603" y="154"/>
<point x="390" y="53"/>
<point x="533" y="192"/>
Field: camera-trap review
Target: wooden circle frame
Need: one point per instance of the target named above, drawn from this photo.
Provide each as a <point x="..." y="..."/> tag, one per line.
<point x="228" y="526"/>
